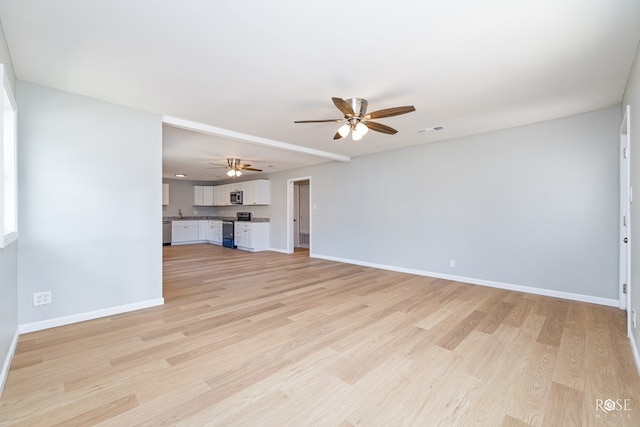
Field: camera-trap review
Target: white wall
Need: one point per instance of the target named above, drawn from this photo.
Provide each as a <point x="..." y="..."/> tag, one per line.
<point x="632" y="97"/>
<point x="90" y="206"/>
<point x="533" y="206"/>
<point x="8" y="263"/>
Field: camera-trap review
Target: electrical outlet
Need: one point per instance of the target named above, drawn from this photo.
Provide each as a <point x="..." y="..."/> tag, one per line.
<point x="452" y="263"/>
<point x="41" y="298"/>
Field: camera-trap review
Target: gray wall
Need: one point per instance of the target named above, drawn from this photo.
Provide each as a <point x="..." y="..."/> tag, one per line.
<point x="632" y="97"/>
<point x="8" y="261"/>
<point x="181" y="197"/>
<point x="90" y="204"/>
<point x="533" y="206"/>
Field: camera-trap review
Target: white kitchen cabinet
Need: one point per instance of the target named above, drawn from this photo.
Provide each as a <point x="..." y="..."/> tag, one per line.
<point x="235" y="186"/>
<point x="221" y="195"/>
<point x="251" y="236"/>
<point x="240" y="234"/>
<point x="207" y="197"/>
<point x="184" y="231"/>
<point x="202" y="195"/>
<point x="214" y="232"/>
<point x="203" y="225"/>
<point x="256" y="192"/>
<point x="165" y="194"/>
<point x="198" y="195"/>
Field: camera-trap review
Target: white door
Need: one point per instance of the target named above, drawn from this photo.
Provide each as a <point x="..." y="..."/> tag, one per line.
<point x="625" y="225"/>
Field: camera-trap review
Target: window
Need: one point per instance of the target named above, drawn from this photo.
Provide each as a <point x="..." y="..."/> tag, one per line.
<point x="8" y="165"/>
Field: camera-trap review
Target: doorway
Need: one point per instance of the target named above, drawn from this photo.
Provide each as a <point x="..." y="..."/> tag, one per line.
<point x="299" y="214"/>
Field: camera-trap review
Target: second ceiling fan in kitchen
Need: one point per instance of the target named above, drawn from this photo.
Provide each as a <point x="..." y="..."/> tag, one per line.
<point x="235" y="167"/>
<point x="356" y="119"/>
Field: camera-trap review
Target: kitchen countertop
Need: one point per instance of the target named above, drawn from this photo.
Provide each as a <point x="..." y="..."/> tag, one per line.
<point x="204" y="218"/>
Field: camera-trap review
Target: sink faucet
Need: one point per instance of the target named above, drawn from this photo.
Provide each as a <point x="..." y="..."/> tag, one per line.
<point x="179" y="213"/>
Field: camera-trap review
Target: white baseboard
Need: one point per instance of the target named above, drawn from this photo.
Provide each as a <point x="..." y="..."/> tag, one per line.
<point x="473" y="281"/>
<point x="81" y="317"/>
<point x="7" y="361"/>
<point x="282" y="251"/>
<point x="636" y="351"/>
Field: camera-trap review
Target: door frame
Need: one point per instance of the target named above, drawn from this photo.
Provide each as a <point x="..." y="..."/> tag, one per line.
<point x="290" y="204"/>
<point x="625" y="216"/>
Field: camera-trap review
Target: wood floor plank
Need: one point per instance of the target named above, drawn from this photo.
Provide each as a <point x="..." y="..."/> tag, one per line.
<point x="565" y="407"/>
<point x="277" y="339"/>
<point x="461" y="330"/>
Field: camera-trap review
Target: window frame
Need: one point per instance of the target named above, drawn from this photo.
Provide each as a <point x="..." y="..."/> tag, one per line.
<point x="10" y="236"/>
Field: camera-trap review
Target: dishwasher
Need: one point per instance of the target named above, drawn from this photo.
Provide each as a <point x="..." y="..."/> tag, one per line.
<point x="166" y="233"/>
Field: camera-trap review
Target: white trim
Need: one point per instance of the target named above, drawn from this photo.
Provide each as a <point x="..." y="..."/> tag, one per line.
<point x="6" y="238"/>
<point x="282" y="251"/>
<point x="252" y="139"/>
<point x="75" y="318"/>
<point x="7" y="361"/>
<point x="9" y="238"/>
<point x="635" y="351"/>
<point x="290" y="238"/>
<point x="519" y="288"/>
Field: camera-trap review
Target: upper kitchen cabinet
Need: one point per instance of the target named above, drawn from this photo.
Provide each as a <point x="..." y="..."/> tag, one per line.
<point x="253" y="193"/>
<point x="256" y="192"/>
<point x="165" y="194"/>
<point x="202" y="195"/>
<point x="221" y="195"/>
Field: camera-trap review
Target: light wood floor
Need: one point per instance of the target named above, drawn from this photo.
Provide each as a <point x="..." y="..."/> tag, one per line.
<point x="270" y="339"/>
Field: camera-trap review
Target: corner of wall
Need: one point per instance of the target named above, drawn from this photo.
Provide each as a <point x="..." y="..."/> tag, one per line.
<point x="4" y="373"/>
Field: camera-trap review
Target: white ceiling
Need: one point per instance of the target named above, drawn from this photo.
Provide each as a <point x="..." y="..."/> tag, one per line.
<point x="250" y="68"/>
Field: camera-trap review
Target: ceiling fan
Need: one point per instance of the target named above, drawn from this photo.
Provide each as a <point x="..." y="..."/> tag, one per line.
<point x="236" y="167"/>
<point x="358" y="121"/>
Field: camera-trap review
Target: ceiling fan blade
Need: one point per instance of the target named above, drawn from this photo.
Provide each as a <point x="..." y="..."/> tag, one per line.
<point x="337" y="135"/>
<point x="251" y="169"/>
<point x="343" y="106"/>
<point x="319" y="121"/>
<point x="379" y="127"/>
<point x="389" y="112"/>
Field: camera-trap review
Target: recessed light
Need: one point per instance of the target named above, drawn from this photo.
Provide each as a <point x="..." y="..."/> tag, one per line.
<point x="181" y="175"/>
<point x="432" y="129"/>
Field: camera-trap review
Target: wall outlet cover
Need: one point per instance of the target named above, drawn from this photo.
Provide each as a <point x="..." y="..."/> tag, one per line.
<point x="41" y="298"/>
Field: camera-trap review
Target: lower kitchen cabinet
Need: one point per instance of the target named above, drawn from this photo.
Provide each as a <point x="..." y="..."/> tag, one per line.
<point x="184" y="231"/>
<point x="214" y="232"/>
<point x="252" y="236"/>
<point x="203" y="227"/>
<point x="249" y="236"/>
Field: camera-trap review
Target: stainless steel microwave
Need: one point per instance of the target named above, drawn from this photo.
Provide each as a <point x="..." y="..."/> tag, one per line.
<point x="236" y="197"/>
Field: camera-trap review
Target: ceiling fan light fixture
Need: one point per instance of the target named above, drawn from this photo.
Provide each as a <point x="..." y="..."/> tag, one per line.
<point x="356" y="116"/>
<point x="361" y="128"/>
<point x="344" y="130"/>
<point x="231" y="172"/>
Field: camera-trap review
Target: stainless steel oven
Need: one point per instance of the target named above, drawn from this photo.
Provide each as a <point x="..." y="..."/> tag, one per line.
<point x="227" y="234"/>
